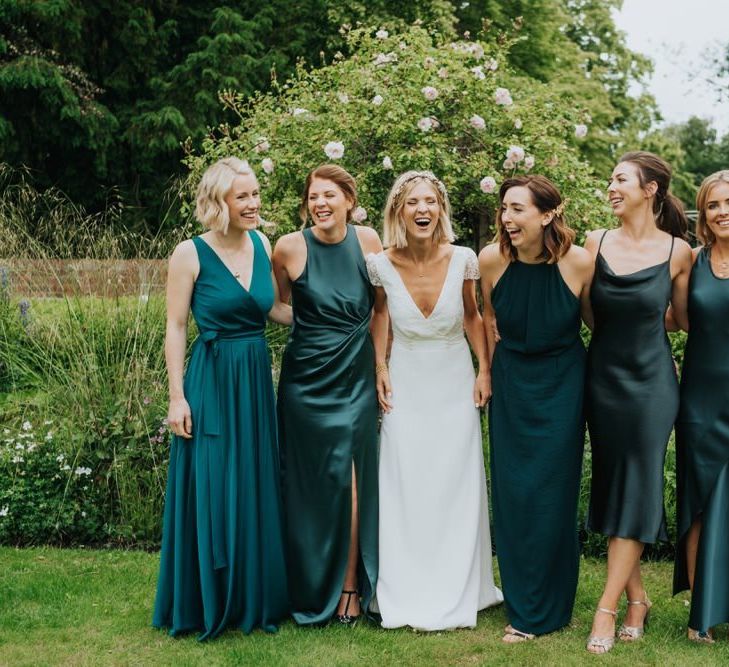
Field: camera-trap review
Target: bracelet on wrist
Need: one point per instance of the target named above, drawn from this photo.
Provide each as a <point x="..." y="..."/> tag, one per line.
<point x="381" y="368"/>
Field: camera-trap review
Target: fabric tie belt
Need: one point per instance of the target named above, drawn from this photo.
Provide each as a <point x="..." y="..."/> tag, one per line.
<point x="212" y="488"/>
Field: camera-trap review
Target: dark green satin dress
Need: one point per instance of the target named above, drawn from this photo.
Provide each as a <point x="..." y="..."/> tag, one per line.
<point x="536" y="431"/>
<point x="222" y="561"/>
<point x="702" y="447"/>
<point x="327" y="409"/>
<point x="631" y="400"/>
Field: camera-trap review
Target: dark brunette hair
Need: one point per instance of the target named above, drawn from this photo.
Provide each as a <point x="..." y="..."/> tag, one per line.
<point x="330" y="172"/>
<point x="667" y="208"/>
<point x="558" y="237"/>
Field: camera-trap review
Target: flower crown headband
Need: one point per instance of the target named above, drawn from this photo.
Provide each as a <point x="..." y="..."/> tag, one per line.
<point x="425" y="175"/>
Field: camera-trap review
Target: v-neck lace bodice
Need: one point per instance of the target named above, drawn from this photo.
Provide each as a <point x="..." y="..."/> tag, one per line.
<point x="445" y="322"/>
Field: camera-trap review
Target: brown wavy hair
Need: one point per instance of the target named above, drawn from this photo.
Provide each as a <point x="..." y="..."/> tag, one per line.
<point x="703" y="233"/>
<point x="558" y="237"/>
<point x="334" y="173"/>
<point x="667" y="208"/>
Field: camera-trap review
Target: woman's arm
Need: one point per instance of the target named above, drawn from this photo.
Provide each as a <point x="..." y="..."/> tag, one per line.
<point x="671" y="323"/>
<point x="280" y="312"/>
<point x="681" y="264"/>
<point x="473" y="325"/>
<point x="181" y="275"/>
<point x="379" y="328"/>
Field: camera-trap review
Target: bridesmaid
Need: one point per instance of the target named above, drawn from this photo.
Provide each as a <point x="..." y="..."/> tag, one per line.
<point x="702" y="430"/>
<point x="632" y="390"/>
<point x="327" y="405"/>
<point x="534" y="283"/>
<point x="222" y="560"/>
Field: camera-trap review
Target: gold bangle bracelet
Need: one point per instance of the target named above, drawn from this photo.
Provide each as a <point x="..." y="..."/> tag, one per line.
<point x="380" y="368"/>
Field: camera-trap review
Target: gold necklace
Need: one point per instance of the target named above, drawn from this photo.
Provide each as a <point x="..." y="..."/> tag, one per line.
<point x="231" y="264"/>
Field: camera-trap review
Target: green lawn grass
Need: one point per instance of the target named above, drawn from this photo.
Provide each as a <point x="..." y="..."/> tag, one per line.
<point x="79" y="607"/>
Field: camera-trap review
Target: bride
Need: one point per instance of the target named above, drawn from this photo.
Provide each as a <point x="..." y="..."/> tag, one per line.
<point x="435" y="547"/>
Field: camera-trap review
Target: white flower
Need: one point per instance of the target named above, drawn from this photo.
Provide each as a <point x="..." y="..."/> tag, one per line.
<point x="20" y="447"/>
<point x="429" y="93"/>
<point x="66" y="467"/>
<point x="382" y="34"/>
<point x="82" y="471"/>
<point x="298" y="111"/>
<point x="493" y="64"/>
<point x="27" y="426"/>
<point x="580" y="130"/>
<point x="267" y="165"/>
<point x="47" y="422"/>
<point x="425" y="124"/>
<point x="487" y="185"/>
<point x="334" y="150"/>
<point x="262" y="145"/>
<point x="32" y="447"/>
<point x="502" y="96"/>
<point x="508" y="164"/>
<point x="515" y="153"/>
<point x="443" y="72"/>
<point x="428" y="62"/>
<point x="478" y="72"/>
<point x="343" y="98"/>
<point x="476" y="122"/>
<point x="4" y="511"/>
<point x="528" y="162"/>
<point x="60" y="458"/>
<point x="402" y="46"/>
<point x="384" y="58"/>
<point x="377" y="100"/>
<point x="17" y="459"/>
<point x="599" y="193"/>
<point x="386" y="162"/>
<point x="359" y="214"/>
<point x="518" y="124"/>
<point x="476" y="50"/>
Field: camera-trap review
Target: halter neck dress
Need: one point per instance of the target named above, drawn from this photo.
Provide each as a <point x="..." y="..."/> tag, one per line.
<point x="222" y="561"/>
<point x="631" y="400"/>
<point x="702" y="446"/>
<point x="536" y="432"/>
<point x="327" y="408"/>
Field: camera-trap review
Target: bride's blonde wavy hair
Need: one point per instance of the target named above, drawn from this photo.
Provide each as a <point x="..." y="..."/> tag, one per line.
<point x="393" y="227"/>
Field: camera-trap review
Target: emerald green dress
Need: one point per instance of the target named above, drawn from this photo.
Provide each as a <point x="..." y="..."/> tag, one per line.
<point x="222" y="561"/>
<point x="536" y="430"/>
<point x="327" y="407"/>
<point x="702" y="439"/>
<point x="631" y="400"/>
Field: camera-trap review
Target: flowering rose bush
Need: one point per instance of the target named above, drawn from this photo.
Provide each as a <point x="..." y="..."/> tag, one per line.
<point x="409" y="101"/>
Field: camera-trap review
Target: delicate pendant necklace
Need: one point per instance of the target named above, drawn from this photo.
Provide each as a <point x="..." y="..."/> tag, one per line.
<point x="231" y="263"/>
<point x="721" y="265"/>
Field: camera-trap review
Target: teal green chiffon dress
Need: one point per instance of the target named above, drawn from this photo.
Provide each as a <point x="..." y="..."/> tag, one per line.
<point x="702" y="447"/>
<point x="536" y="430"/>
<point x="222" y="560"/>
<point x="631" y="400"/>
<point x="327" y="408"/>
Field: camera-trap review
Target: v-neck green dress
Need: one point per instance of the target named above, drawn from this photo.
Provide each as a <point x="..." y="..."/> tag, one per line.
<point x="702" y="447"/>
<point x="222" y="561"/>
<point x="536" y="431"/>
<point x="327" y="408"/>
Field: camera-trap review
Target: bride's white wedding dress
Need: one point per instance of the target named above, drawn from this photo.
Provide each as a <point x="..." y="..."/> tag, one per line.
<point x="435" y="568"/>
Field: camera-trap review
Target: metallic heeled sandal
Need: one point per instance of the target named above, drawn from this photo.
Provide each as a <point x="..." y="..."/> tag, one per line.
<point x="514" y="636"/>
<point x="604" y="643"/>
<point x="701" y="637"/>
<point x="629" y="633"/>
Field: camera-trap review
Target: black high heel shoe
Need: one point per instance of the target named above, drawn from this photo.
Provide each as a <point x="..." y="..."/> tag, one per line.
<point x="346" y="618"/>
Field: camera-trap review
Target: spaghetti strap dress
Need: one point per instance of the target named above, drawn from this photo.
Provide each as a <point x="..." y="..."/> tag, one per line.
<point x="327" y="408"/>
<point x="536" y="432"/>
<point x="631" y="400"/>
<point x="222" y="560"/>
<point x="702" y="447"/>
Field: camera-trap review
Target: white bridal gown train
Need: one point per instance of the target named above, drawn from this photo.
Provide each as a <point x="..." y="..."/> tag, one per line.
<point x="435" y="569"/>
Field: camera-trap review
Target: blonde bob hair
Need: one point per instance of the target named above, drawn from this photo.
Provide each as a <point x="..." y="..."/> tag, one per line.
<point x="394" y="226"/>
<point x="211" y="210"/>
<point x="704" y="234"/>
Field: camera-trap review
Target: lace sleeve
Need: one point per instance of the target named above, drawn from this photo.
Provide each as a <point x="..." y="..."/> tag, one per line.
<point x="372" y="270"/>
<point x="471" y="271"/>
